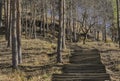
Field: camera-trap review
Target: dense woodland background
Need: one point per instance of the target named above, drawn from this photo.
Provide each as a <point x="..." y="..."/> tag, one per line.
<point x="35" y="35"/>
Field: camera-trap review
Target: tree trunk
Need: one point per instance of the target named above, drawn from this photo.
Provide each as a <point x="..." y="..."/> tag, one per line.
<point x="51" y="8"/>
<point x="46" y="15"/>
<point x="71" y="9"/>
<point x="64" y="26"/>
<point x="9" y="25"/>
<point x="26" y="24"/>
<point x="104" y="37"/>
<point x="14" y="37"/>
<point x="34" y="23"/>
<point x="74" y="32"/>
<point x="59" y="55"/>
<point x="105" y="34"/>
<point x="84" y="39"/>
<point x="75" y="25"/>
<point x="0" y="13"/>
<point x="41" y="24"/>
<point x="18" y="24"/>
<point x="98" y="38"/>
<point x="94" y="34"/>
<point x="6" y="18"/>
<point x="117" y="3"/>
<point x="44" y="34"/>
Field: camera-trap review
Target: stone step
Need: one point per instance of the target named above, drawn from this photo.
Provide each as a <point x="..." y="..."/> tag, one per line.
<point x="85" y="55"/>
<point x="83" y="52"/>
<point x="85" y="62"/>
<point x="84" y="71"/>
<point x="93" y="59"/>
<point x="83" y="68"/>
<point x="80" y="77"/>
<point x="85" y="65"/>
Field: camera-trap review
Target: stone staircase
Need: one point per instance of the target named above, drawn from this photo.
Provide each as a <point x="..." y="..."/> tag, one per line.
<point x="85" y="65"/>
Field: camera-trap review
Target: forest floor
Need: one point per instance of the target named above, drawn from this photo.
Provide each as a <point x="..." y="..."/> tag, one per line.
<point x="39" y="59"/>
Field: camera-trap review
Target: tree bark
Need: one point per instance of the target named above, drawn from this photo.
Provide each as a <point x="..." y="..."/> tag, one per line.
<point x="59" y="47"/>
<point x="26" y="23"/>
<point x="44" y="34"/>
<point x="64" y="26"/>
<point x="34" y="22"/>
<point x="5" y="16"/>
<point x="14" y="37"/>
<point x="117" y="3"/>
<point x="18" y="24"/>
<point x="104" y="38"/>
<point x="10" y="25"/>
<point x="46" y="15"/>
<point x="71" y="13"/>
<point x="84" y="39"/>
<point x="0" y="13"/>
<point x="98" y="38"/>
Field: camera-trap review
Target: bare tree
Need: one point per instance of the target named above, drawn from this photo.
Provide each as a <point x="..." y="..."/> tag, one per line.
<point x="0" y="13"/>
<point x="18" y="25"/>
<point x="59" y="47"/>
<point x="117" y="3"/>
<point x="14" y="36"/>
<point x="9" y="24"/>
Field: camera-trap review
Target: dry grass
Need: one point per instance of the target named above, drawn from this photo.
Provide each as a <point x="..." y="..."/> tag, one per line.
<point x="39" y="58"/>
<point x="38" y="61"/>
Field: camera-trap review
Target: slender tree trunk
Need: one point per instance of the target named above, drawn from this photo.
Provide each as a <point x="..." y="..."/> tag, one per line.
<point x="26" y="24"/>
<point x="53" y="18"/>
<point x="94" y="33"/>
<point x="59" y="47"/>
<point x="104" y="32"/>
<point x="29" y="24"/>
<point x="71" y="9"/>
<point x="40" y="18"/>
<point x="44" y="34"/>
<point x="84" y="39"/>
<point x="9" y="24"/>
<point x="7" y="19"/>
<point x="0" y="13"/>
<point x="98" y="38"/>
<point x="46" y="15"/>
<point x="51" y="8"/>
<point x="117" y="3"/>
<point x="34" y="22"/>
<point x="41" y="24"/>
<point x="5" y="16"/>
<point x="74" y="32"/>
<point x="75" y="26"/>
<point x="31" y="20"/>
<point x="18" y="24"/>
<point x="64" y="26"/>
<point x="103" y="35"/>
<point x="67" y="28"/>
<point x="14" y="37"/>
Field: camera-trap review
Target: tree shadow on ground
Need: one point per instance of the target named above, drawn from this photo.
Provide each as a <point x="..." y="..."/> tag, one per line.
<point x="110" y="50"/>
<point x="5" y="65"/>
<point x="30" y="70"/>
<point x="36" y="68"/>
<point x="5" y="68"/>
<point x="33" y="71"/>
